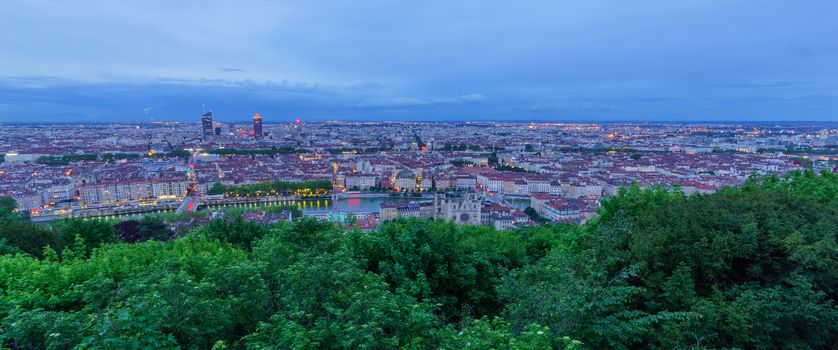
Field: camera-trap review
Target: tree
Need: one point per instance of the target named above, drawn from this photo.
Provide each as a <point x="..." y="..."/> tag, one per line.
<point x="534" y="216"/>
<point x="493" y="158"/>
<point x="93" y="232"/>
<point x="187" y="292"/>
<point x="217" y="188"/>
<point x="147" y="228"/>
<point x="238" y="231"/>
<point x="26" y="236"/>
<point x="751" y="267"/>
<point x="140" y="323"/>
<point x="458" y="268"/>
<point x="128" y="231"/>
<point x="328" y="302"/>
<point x="572" y="296"/>
<point x="498" y="334"/>
<point x="7" y="206"/>
<point x="739" y="261"/>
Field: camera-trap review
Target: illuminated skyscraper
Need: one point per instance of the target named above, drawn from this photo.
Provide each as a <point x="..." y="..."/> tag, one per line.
<point x="257" y="125"/>
<point x="206" y="124"/>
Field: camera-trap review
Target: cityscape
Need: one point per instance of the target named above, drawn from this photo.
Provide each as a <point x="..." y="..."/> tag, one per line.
<point x="470" y="172"/>
<point x="418" y="175"/>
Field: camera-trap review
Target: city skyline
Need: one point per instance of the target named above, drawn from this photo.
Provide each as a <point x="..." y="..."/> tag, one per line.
<point x="546" y="61"/>
<point x="392" y="174"/>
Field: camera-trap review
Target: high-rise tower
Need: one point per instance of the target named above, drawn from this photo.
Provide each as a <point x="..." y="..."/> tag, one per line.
<point x="206" y="124"/>
<point x="257" y="125"/>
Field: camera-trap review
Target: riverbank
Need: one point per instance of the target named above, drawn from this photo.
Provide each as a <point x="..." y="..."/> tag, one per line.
<point x="311" y="206"/>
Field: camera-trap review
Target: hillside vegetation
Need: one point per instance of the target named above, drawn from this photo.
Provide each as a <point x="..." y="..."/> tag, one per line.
<point x="752" y="267"/>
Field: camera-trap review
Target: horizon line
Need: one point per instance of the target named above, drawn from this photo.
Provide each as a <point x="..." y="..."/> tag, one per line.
<point x="507" y="121"/>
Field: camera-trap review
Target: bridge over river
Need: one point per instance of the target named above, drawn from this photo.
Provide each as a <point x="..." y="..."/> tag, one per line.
<point x="309" y="206"/>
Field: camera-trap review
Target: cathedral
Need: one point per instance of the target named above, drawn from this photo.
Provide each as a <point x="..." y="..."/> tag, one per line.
<point x="463" y="209"/>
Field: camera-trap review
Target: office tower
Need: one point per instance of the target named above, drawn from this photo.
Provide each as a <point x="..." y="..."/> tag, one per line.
<point x="206" y="124"/>
<point x="257" y="125"/>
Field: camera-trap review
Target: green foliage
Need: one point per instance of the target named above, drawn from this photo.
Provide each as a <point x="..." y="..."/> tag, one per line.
<point x="534" y="216"/>
<point x="510" y="168"/>
<point x="173" y="154"/>
<point x="41" y="329"/>
<point x="7" y="249"/>
<point x="147" y="228"/>
<point x="461" y="163"/>
<point x="267" y="208"/>
<point x="192" y="292"/>
<point x="462" y="147"/>
<point x="328" y="301"/>
<point x="117" y="156"/>
<point x="603" y="150"/>
<point x="254" y="151"/>
<point x="68" y="158"/>
<point x="18" y="234"/>
<point x="348" y="150"/>
<point x="65" y="159"/>
<point x="746" y="258"/>
<point x="457" y="268"/>
<point x="570" y="295"/>
<point x="217" y="188"/>
<point x="418" y="140"/>
<point x="493" y="158"/>
<point x="750" y="267"/>
<point x="139" y="323"/>
<point x="275" y="188"/>
<point x="94" y="233"/>
<point x="7" y="206"/>
<point x="238" y="232"/>
<point x="498" y="334"/>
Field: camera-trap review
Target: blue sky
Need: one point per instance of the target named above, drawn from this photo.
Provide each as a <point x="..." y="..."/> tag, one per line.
<point x="655" y="60"/>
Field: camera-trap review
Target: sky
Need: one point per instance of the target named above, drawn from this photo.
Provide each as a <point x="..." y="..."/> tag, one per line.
<point x="646" y="60"/>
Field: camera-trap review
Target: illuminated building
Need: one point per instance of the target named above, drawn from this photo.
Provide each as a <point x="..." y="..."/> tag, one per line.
<point x="359" y="181"/>
<point x="206" y="124"/>
<point x="257" y="125"/>
<point x="115" y="192"/>
<point x="168" y="189"/>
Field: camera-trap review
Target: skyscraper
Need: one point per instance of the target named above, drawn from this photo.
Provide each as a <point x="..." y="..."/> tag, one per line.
<point x="257" y="125"/>
<point x="206" y="124"/>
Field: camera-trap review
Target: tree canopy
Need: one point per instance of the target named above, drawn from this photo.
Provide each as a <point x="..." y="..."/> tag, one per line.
<point x="751" y="267"/>
<point x="273" y="188"/>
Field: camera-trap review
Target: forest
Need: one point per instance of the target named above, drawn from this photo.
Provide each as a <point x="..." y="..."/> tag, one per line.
<point x="751" y="267"/>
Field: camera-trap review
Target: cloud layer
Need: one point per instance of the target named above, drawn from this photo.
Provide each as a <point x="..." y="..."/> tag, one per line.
<point x="436" y="60"/>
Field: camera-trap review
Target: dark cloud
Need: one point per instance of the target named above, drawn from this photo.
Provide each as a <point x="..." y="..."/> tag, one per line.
<point x="231" y="70"/>
<point x="601" y="59"/>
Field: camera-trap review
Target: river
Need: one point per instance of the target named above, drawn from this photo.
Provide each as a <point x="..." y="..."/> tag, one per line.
<point x="307" y="206"/>
<point x="344" y="205"/>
